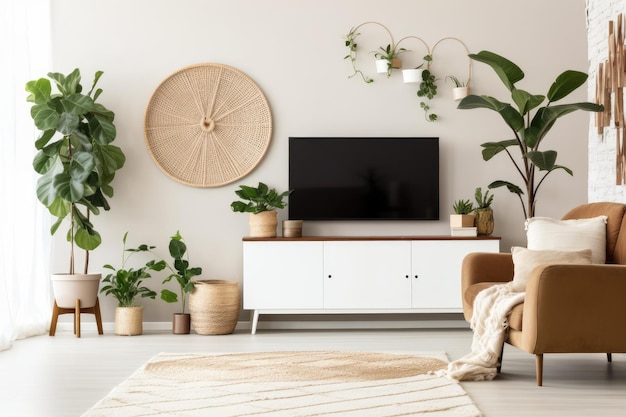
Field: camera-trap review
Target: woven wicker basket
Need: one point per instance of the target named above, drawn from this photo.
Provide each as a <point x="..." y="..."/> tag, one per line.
<point x="128" y="321"/>
<point x="214" y="306"/>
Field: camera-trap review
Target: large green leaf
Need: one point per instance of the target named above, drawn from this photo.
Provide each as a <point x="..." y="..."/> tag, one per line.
<point x="68" y="123"/>
<point x="565" y="83"/>
<point x="525" y="101"/>
<point x="86" y="240"/>
<point x="491" y="149"/>
<point x="44" y="138"/>
<point x="543" y="160"/>
<point x="77" y="104"/>
<point x="508" y="72"/>
<point x="102" y="129"/>
<point x="510" y="186"/>
<point x="546" y="116"/>
<point x="45" y="117"/>
<point x="510" y="116"/>
<point x="68" y="188"/>
<point x="39" y="90"/>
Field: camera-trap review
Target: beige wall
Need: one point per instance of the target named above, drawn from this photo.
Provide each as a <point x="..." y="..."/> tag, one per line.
<point x="294" y="50"/>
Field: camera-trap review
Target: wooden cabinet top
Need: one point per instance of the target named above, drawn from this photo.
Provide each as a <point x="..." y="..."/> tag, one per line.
<point x="357" y="238"/>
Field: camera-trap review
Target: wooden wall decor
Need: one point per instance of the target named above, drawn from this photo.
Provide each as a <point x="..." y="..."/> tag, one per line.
<point x="610" y="83"/>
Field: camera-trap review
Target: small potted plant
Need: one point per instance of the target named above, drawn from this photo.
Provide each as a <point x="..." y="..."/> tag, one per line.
<point x="483" y="212"/>
<point x="183" y="274"/>
<point x="462" y="216"/>
<point x="261" y="202"/>
<point x="350" y="43"/>
<point x="460" y="88"/>
<point x="387" y="59"/>
<point x="412" y="75"/>
<point x="77" y="163"/>
<point x="125" y="285"/>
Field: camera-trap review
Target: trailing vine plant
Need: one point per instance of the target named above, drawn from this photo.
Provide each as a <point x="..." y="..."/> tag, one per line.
<point x="352" y="54"/>
<point x="428" y="89"/>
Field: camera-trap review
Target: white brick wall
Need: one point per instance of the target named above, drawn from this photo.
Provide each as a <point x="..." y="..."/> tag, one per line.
<point x="601" y="182"/>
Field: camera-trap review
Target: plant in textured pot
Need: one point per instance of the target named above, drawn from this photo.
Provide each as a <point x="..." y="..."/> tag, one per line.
<point x="183" y="274"/>
<point x="77" y="163"/>
<point x="462" y="216"/>
<point x="125" y="285"/>
<point x="529" y="131"/>
<point x="387" y="59"/>
<point x="261" y="202"/>
<point x="483" y="212"/>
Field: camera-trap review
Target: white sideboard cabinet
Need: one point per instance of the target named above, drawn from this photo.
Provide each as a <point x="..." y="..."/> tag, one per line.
<point x="333" y="275"/>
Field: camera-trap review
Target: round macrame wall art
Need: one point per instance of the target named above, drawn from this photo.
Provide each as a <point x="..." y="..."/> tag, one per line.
<point x="207" y="125"/>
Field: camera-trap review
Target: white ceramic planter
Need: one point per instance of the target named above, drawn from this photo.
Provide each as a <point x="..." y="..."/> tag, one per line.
<point x="412" y="75"/>
<point x="381" y="66"/>
<point x="71" y="287"/>
<point x="460" y="92"/>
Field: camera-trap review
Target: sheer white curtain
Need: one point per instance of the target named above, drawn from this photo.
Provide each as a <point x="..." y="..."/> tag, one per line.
<point x="25" y="298"/>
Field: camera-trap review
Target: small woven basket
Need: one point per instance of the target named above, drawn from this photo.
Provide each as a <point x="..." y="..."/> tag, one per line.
<point x="128" y="321"/>
<point x="214" y="306"/>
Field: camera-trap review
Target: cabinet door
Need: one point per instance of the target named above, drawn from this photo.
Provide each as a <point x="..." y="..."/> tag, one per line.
<point x="282" y="275"/>
<point x="367" y="275"/>
<point x="436" y="271"/>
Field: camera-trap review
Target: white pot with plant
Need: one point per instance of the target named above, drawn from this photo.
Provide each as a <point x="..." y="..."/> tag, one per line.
<point x="387" y="59"/>
<point x="261" y="202"/>
<point x="77" y="163"/>
<point x="460" y="88"/>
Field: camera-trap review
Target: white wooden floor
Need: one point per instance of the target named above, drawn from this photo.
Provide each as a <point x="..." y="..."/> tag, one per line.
<point x="63" y="376"/>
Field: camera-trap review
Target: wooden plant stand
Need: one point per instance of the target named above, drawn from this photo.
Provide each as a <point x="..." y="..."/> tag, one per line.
<point x="57" y="311"/>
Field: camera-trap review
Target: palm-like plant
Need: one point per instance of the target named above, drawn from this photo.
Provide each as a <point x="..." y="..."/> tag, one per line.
<point x="529" y="130"/>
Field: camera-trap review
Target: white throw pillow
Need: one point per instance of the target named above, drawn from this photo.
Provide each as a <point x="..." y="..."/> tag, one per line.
<point x="568" y="235"/>
<point x="525" y="260"/>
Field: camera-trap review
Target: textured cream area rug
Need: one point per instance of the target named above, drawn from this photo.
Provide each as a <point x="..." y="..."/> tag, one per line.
<point x="288" y="384"/>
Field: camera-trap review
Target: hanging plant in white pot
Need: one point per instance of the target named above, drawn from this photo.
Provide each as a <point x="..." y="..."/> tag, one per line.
<point x="77" y="163"/>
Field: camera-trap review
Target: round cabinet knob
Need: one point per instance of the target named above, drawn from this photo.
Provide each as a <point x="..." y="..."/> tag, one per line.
<point x="406" y="276"/>
<point x="417" y="276"/>
<point x="330" y="276"/>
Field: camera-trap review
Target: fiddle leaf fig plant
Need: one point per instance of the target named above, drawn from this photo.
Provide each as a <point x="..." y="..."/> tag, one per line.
<point x="529" y="122"/>
<point x="76" y="158"/>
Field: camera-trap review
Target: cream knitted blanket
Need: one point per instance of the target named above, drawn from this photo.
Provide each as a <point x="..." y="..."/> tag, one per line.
<point x="491" y="308"/>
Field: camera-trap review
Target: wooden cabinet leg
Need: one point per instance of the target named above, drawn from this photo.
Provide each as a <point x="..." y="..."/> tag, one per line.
<point x="609" y="357"/>
<point x="539" y="366"/>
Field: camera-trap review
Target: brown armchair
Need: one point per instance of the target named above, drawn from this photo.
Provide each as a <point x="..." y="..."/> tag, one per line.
<point x="568" y="308"/>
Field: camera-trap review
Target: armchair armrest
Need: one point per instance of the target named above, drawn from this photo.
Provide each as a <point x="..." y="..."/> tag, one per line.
<point x="575" y="308"/>
<point x="480" y="267"/>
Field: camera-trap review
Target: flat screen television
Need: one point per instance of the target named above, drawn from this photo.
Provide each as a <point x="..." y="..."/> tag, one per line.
<point x="368" y="178"/>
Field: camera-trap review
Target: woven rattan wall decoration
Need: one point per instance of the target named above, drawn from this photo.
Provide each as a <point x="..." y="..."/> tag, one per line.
<point x="207" y="125"/>
<point x="611" y="80"/>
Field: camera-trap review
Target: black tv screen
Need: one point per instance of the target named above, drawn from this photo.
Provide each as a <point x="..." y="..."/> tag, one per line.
<point x="337" y="178"/>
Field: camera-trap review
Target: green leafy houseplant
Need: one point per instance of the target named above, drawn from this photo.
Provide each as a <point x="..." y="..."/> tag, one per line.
<point x="483" y="201"/>
<point x="389" y="54"/>
<point x="462" y="207"/>
<point x="75" y="157"/>
<point x="125" y="285"/>
<point x="529" y="130"/>
<point x="181" y="271"/>
<point x="259" y="199"/>
<point x="428" y="90"/>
